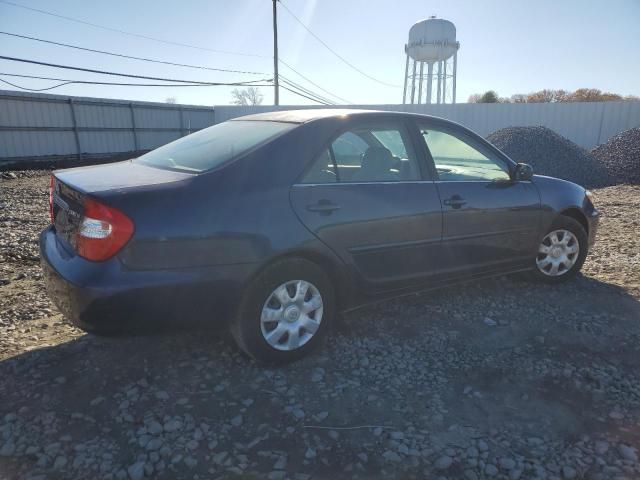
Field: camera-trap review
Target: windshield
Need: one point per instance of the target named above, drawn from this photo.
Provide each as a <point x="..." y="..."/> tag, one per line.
<point x="213" y="146"/>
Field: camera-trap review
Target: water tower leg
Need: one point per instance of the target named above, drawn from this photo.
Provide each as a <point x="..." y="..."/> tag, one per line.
<point x="413" y="84"/>
<point x="439" y="93"/>
<point x="420" y="83"/>
<point x="444" y="83"/>
<point x="455" y="68"/>
<point x="406" y="80"/>
<point x="429" y="81"/>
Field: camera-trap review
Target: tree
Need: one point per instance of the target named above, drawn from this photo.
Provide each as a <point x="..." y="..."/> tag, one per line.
<point x="518" y="98"/>
<point x="548" y="96"/>
<point x="170" y="100"/>
<point x="248" y="96"/>
<point x="474" y="98"/>
<point x="489" y="96"/>
<point x="593" y="95"/>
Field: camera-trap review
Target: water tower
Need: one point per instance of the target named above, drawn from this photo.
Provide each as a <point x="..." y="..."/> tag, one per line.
<point x="431" y="41"/>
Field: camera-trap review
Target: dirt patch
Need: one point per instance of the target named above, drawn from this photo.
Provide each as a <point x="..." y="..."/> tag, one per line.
<point x="419" y="387"/>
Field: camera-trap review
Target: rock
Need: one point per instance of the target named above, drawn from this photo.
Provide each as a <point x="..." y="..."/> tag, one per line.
<point x="310" y="453"/>
<point x="162" y="395"/>
<point x="507" y="463"/>
<point x="172" y="426"/>
<point x="136" y="471"/>
<point x="482" y="445"/>
<point x="281" y="463"/>
<point x="551" y="154"/>
<point x="627" y="453"/>
<point x="190" y="462"/>
<point x="7" y="449"/>
<point x="569" y="472"/>
<point x="472" y="452"/>
<point x="154" y="428"/>
<point x="490" y="322"/>
<point x="491" y="470"/>
<point x="391" y="456"/>
<point x="601" y="447"/>
<point x="236" y="421"/>
<point x="443" y="462"/>
<point x="277" y="475"/>
<point x="60" y="462"/>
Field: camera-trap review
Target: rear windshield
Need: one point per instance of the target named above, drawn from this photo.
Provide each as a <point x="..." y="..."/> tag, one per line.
<point x="213" y="146"/>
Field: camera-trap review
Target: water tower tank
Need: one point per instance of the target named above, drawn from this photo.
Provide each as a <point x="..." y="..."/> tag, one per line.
<point x="432" y="40"/>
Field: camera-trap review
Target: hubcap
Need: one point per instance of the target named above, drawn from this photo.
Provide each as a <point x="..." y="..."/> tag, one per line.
<point x="291" y="315"/>
<point x="557" y="253"/>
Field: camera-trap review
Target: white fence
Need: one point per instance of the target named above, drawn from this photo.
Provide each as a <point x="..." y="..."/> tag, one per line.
<point x="42" y="126"/>
<point x="587" y="124"/>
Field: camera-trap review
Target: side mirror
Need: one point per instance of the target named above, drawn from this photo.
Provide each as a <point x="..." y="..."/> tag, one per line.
<point x="523" y="172"/>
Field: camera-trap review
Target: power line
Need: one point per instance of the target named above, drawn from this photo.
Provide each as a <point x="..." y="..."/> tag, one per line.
<point x="76" y="20"/>
<point x="313" y="83"/>
<point x="104" y="72"/>
<point x="333" y="51"/>
<point x="66" y="81"/>
<point x="302" y="95"/>
<point x="304" y="90"/>
<point x="121" y="55"/>
<point x="124" y="32"/>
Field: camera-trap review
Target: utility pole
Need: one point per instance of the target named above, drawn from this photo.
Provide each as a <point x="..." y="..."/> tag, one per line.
<point x="276" y="93"/>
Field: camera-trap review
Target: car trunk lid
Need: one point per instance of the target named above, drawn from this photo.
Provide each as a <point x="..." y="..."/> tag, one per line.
<point x="71" y="188"/>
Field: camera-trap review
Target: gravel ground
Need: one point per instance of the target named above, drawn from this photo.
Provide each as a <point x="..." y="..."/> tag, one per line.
<point x="551" y="154"/>
<point x="503" y="379"/>
<point x="621" y="156"/>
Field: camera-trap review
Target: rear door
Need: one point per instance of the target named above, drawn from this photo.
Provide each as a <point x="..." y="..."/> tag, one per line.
<point x="367" y="198"/>
<point x="489" y="220"/>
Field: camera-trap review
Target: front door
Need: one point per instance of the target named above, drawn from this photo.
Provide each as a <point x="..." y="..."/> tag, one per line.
<point x="366" y="198"/>
<point x="489" y="221"/>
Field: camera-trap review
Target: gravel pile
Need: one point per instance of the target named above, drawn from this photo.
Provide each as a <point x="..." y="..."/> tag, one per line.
<point x="501" y="379"/>
<point x="621" y="156"/>
<point x="551" y="154"/>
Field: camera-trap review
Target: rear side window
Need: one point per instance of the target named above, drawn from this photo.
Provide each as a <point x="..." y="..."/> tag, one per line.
<point x="214" y="146"/>
<point x="376" y="154"/>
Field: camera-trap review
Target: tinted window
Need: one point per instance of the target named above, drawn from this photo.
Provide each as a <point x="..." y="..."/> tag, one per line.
<point x="366" y="155"/>
<point x="456" y="160"/>
<point x="213" y="146"/>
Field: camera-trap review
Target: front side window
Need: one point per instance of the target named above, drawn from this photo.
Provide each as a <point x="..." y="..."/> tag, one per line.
<point x="213" y="146"/>
<point x="457" y="161"/>
<point x="366" y="155"/>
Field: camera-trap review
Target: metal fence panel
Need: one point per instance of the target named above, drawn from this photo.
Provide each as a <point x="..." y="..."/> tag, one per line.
<point x="42" y="125"/>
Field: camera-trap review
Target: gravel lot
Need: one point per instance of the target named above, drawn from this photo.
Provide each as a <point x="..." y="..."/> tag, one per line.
<point x="503" y="379"/>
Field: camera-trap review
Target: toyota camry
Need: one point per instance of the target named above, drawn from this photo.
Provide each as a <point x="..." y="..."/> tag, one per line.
<point x="272" y="224"/>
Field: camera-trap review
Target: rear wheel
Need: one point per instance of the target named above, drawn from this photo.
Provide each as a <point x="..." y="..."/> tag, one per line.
<point x="286" y="312"/>
<point x="561" y="252"/>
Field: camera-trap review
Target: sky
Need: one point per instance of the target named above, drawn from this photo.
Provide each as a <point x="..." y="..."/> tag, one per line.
<point x="510" y="46"/>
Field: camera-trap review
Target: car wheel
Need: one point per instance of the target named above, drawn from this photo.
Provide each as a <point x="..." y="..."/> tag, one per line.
<point x="561" y="252"/>
<point x="286" y="312"/>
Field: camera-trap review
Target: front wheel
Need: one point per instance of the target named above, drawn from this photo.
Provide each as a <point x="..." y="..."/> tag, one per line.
<point x="561" y="252"/>
<point x="286" y="312"/>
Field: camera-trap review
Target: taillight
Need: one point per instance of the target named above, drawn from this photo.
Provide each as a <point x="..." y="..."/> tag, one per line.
<point x="103" y="231"/>
<point x="52" y="186"/>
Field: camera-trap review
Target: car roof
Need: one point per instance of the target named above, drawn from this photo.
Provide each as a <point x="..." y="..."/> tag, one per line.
<point x="310" y="114"/>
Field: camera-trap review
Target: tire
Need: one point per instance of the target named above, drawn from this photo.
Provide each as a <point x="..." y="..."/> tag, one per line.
<point x="263" y="315"/>
<point x="546" y="273"/>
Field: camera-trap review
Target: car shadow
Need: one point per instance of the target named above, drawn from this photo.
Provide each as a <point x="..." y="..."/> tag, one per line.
<point x="404" y="363"/>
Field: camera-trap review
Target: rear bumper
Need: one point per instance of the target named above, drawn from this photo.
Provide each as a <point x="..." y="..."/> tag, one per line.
<point x="107" y="296"/>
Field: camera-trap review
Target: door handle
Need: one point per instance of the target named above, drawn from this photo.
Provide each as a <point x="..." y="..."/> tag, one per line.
<point x="324" y="207"/>
<point x="455" y="202"/>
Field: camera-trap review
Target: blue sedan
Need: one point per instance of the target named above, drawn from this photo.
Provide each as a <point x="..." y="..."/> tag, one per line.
<point x="271" y="224"/>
